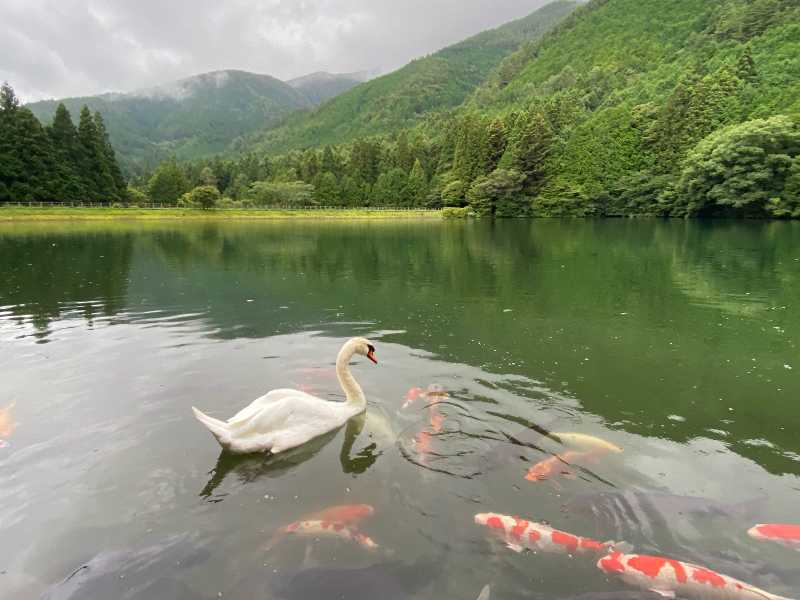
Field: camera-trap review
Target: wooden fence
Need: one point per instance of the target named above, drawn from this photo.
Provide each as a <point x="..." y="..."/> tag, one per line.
<point x="159" y="205"/>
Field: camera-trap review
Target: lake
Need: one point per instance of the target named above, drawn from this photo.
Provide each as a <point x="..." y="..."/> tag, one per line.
<point x="676" y="341"/>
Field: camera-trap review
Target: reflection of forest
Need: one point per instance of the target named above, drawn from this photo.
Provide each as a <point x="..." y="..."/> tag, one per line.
<point x="639" y="320"/>
<point x="42" y="276"/>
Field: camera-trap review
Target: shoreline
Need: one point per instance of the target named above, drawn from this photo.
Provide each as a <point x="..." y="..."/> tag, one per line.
<point x="12" y="214"/>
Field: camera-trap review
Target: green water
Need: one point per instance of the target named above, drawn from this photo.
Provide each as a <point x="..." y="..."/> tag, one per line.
<point x="677" y="341"/>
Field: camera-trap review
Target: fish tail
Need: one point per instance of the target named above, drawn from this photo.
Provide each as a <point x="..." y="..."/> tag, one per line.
<point x="219" y="429"/>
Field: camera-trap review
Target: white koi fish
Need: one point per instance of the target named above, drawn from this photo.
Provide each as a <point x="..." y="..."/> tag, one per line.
<point x="786" y="535"/>
<point x="671" y="578"/>
<point x="330" y="529"/>
<point x="519" y="534"/>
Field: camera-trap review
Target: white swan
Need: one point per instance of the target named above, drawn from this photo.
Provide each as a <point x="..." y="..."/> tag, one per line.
<point x="284" y="419"/>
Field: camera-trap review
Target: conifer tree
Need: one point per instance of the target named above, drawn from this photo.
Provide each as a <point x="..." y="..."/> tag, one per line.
<point x="417" y="190"/>
<point x="120" y="186"/>
<point x="531" y="142"/>
<point x="68" y="152"/>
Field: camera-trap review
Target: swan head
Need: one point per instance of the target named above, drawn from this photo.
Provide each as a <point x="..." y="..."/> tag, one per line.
<point x="365" y="348"/>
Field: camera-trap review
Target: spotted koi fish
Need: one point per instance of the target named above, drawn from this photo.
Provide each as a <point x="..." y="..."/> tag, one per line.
<point x="519" y="534"/>
<point x="329" y="529"/>
<point x="670" y="578"/>
<point x="786" y="535"/>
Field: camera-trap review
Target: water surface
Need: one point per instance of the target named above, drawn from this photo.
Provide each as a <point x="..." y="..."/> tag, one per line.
<point x="676" y="341"/>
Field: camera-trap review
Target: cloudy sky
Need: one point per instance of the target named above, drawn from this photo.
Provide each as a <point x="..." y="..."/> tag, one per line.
<point x="57" y="48"/>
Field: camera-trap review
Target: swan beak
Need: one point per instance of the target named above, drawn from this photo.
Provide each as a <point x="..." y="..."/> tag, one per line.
<point x="371" y="356"/>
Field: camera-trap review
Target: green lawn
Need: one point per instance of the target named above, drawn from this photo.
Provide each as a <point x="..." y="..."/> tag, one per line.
<point x="99" y="214"/>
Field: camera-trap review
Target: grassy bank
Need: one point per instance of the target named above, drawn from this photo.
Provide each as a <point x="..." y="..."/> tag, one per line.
<point x="101" y="214"/>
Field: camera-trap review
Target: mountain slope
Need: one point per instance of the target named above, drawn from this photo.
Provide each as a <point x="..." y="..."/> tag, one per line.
<point x="440" y="81"/>
<point x="321" y="86"/>
<point x="191" y="118"/>
<point x="630" y="87"/>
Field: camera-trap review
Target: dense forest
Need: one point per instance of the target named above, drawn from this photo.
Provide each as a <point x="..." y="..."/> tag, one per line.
<point x="59" y="162"/>
<point x="626" y="107"/>
<point x="614" y="108"/>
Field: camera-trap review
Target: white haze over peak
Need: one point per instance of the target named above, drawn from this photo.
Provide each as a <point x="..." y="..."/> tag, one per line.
<point x="58" y="48"/>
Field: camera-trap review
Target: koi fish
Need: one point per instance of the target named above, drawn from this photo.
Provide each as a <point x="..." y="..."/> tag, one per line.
<point x="586" y="441"/>
<point x="519" y="534"/>
<point x="422" y="445"/>
<point x="558" y="464"/>
<point x="413" y="395"/>
<point x="331" y="529"/>
<point x="786" y="535"/>
<point x="437" y="419"/>
<point x="347" y="514"/>
<point x="7" y="424"/>
<point x="671" y="578"/>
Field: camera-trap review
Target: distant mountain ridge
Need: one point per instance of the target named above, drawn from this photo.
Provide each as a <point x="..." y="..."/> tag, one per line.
<point x="198" y="116"/>
<point x="440" y="81"/>
<point x="321" y="86"/>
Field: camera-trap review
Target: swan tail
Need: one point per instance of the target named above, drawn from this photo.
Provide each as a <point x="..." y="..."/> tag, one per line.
<point x="219" y="429"/>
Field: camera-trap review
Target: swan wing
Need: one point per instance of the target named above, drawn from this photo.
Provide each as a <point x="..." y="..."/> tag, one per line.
<point x="289" y="422"/>
<point x="268" y="399"/>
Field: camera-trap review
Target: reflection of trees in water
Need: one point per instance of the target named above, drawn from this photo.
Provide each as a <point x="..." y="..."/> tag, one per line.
<point x="735" y="267"/>
<point x="42" y="275"/>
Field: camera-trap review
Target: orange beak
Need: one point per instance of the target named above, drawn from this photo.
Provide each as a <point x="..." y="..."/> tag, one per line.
<point x="371" y="356"/>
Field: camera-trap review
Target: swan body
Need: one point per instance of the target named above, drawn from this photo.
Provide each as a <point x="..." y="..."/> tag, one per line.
<point x="284" y="419"/>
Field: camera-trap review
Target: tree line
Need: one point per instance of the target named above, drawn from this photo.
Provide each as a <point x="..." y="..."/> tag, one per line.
<point x="59" y="162"/>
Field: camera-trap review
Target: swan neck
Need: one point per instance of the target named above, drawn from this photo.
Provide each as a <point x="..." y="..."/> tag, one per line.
<point x="353" y="391"/>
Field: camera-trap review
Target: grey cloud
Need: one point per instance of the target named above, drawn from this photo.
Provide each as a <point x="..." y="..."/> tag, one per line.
<point x="56" y="48"/>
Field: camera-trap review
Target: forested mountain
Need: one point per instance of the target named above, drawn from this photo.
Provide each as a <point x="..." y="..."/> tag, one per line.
<point x="198" y="116"/>
<point x="626" y="107"/>
<point x="403" y="98"/>
<point x="321" y="86"/>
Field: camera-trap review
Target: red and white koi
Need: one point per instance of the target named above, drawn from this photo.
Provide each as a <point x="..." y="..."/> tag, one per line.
<point x="671" y="578"/>
<point x="786" y="535"/>
<point x="328" y="529"/>
<point x="520" y="534"/>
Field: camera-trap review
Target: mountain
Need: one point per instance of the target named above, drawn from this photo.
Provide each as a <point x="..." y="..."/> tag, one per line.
<point x="321" y="86"/>
<point x="689" y="108"/>
<point x="632" y="89"/>
<point x="440" y="81"/>
<point x="198" y="116"/>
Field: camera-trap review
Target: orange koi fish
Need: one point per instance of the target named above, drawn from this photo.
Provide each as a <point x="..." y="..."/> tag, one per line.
<point x="786" y="535"/>
<point x="347" y="514"/>
<point x="329" y="529"/>
<point x="413" y="395"/>
<point x="671" y="578"/>
<point x="7" y="424"/>
<point x="558" y="464"/>
<point x="520" y="534"/>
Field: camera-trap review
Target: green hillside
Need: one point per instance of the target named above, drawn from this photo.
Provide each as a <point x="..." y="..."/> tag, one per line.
<point x="191" y="118"/>
<point x="630" y="87"/>
<point x="403" y="98"/>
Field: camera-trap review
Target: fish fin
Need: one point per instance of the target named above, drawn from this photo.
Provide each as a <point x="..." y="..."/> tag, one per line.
<point x="486" y="592"/>
<point x="515" y="547"/>
<point x="664" y="593"/>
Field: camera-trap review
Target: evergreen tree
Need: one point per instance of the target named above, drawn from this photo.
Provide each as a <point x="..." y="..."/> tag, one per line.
<point x="327" y="190"/>
<point x="417" y="189"/>
<point x="404" y="159"/>
<point x="120" y="186"/>
<point x="11" y="166"/>
<point x="68" y="152"/>
<point x="207" y="177"/>
<point x="496" y="143"/>
<point x="531" y="142"/>
<point x="99" y="183"/>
